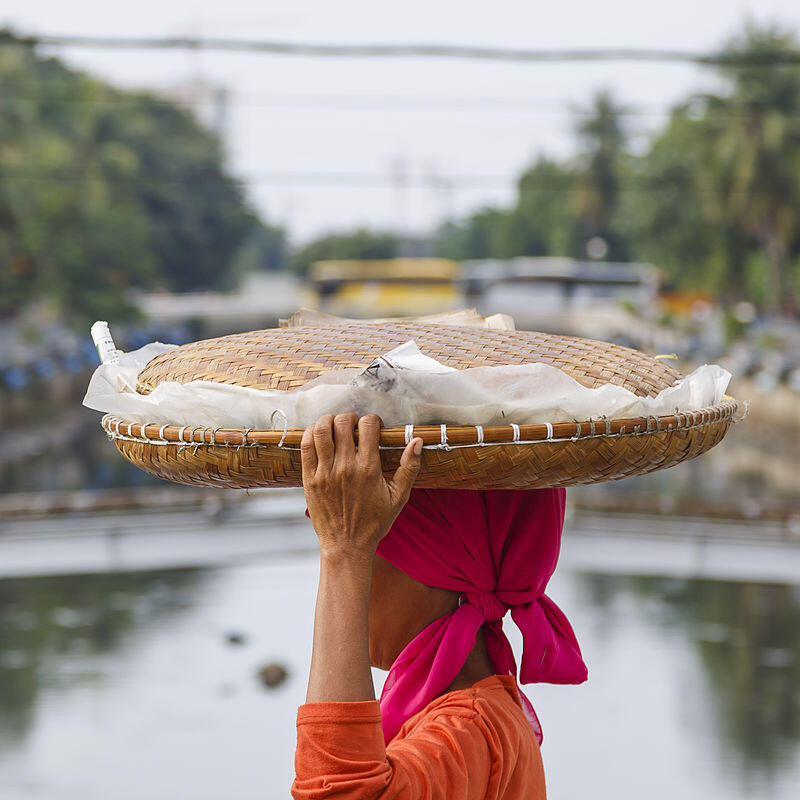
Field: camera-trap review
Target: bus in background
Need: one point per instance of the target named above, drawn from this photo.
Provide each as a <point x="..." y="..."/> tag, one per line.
<point x="598" y="300"/>
<point x="387" y="287"/>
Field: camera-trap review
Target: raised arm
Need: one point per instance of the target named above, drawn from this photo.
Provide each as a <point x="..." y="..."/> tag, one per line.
<point x="340" y="743"/>
<point x="352" y="506"/>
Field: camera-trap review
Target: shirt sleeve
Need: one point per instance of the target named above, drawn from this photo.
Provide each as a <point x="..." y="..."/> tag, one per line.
<point x="340" y="753"/>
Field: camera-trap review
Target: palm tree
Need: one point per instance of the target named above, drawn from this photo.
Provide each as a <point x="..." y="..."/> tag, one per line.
<point x="752" y="155"/>
<point x="604" y="139"/>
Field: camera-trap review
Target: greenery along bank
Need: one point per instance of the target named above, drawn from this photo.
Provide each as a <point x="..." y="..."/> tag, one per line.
<point x="102" y="190"/>
<point x="91" y="175"/>
<point x="711" y="195"/>
<point x="714" y="199"/>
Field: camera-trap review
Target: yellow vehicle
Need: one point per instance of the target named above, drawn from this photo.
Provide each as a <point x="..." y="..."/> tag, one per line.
<point x="389" y="287"/>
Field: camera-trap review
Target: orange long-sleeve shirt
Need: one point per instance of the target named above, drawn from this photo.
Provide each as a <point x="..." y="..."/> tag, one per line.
<point x="470" y="744"/>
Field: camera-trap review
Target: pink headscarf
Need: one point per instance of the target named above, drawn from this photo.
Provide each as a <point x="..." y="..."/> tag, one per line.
<point x="499" y="549"/>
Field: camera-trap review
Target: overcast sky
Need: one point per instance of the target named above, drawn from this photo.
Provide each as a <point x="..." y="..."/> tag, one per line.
<point x="398" y="143"/>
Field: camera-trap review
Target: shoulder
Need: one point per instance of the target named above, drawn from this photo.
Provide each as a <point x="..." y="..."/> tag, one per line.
<point x="479" y="732"/>
<point x="448" y="748"/>
<point x="489" y="711"/>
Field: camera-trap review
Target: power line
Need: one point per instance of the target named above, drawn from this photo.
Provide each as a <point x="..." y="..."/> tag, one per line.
<point x="313" y="102"/>
<point x="308" y="178"/>
<point x="418" y="50"/>
<point x="299" y="101"/>
<point x="358" y="180"/>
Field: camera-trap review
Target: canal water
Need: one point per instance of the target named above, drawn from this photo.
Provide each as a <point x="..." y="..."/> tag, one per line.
<point x="146" y="685"/>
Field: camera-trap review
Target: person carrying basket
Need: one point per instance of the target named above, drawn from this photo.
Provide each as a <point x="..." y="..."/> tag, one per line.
<point x="417" y="582"/>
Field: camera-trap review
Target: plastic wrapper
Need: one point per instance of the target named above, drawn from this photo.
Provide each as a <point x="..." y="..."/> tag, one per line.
<point x="403" y="387"/>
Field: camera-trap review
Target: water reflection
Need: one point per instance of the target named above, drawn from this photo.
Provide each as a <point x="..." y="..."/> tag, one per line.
<point x="146" y="670"/>
<point x="51" y="628"/>
<point x="86" y="460"/>
<point x="747" y="639"/>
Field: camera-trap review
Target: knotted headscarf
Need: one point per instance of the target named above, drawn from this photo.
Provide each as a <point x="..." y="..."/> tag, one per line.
<point x="498" y="549"/>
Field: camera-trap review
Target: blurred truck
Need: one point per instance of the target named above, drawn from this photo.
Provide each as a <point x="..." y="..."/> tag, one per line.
<point x="388" y="287"/>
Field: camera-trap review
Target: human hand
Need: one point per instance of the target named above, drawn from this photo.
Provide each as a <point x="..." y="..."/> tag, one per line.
<point x="351" y="505"/>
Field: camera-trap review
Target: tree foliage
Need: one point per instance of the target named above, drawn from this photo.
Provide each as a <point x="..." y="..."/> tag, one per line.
<point x="600" y="173"/>
<point x="560" y="206"/>
<point x="360" y="244"/>
<point x="714" y="199"/>
<point x="103" y="190"/>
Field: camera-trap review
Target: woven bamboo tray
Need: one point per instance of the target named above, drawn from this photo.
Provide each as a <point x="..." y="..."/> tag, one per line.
<point x="456" y="456"/>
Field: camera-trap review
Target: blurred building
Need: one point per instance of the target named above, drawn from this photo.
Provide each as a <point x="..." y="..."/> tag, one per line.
<point x="260" y="301"/>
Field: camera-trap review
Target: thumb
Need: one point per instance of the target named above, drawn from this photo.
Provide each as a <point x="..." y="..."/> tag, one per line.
<point x="407" y="472"/>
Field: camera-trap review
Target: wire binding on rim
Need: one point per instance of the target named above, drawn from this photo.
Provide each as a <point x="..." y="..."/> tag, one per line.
<point x="622" y="433"/>
<point x="202" y="441"/>
<point x="285" y="423"/>
<point x="691" y="420"/>
<point x="184" y="445"/>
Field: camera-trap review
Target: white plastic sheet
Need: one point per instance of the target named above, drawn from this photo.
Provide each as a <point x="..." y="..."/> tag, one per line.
<point x="403" y="387"/>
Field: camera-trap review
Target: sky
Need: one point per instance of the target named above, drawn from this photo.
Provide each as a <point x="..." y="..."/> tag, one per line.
<point x="398" y="144"/>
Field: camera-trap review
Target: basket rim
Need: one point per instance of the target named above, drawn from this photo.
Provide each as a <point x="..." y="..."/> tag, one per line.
<point x="433" y="436"/>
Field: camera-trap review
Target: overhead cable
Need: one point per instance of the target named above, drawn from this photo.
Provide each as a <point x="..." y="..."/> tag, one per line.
<point x="411" y="50"/>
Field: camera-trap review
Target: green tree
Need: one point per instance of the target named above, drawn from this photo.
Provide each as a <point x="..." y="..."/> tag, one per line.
<point x="715" y="199"/>
<point x="482" y="235"/>
<point x="360" y="244"/>
<point x="541" y="222"/>
<point x="265" y="249"/>
<point x="598" y="178"/>
<point x="751" y="150"/>
<point x="559" y="206"/>
<point x="102" y="191"/>
<point x="197" y="213"/>
<point x="669" y="217"/>
<point x="544" y="222"/>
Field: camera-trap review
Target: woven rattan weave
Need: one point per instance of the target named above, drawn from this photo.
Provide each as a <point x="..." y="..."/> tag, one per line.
<point x="285" y="358"/>
<point x="526" y="456"/>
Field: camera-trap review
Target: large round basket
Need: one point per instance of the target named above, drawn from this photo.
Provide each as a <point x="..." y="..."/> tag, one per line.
<point x="504" y="457"/>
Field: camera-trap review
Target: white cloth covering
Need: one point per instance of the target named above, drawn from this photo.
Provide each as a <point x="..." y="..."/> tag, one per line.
<point x="403" y="386"/>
